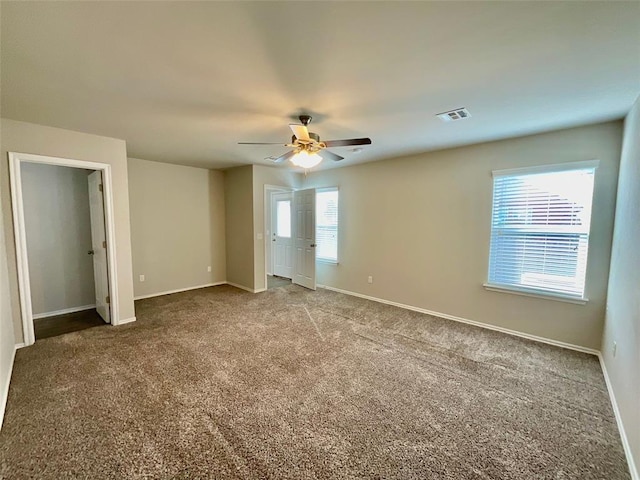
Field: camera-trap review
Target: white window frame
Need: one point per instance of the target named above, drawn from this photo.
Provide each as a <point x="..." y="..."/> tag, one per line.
<point x="528" y="291"/>
<point x="330" y="261"/>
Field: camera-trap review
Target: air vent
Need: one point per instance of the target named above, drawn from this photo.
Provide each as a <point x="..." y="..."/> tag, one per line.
<point x="453" y="115"/>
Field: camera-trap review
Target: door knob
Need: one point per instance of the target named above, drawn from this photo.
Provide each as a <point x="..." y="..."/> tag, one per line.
<point x="313" y="245"/>
<point x="90" y="252"/>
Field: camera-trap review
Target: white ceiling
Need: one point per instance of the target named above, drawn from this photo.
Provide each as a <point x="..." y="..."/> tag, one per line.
<point x="184" y="82"/>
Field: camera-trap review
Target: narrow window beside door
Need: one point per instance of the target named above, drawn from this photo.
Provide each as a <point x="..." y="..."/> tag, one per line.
<point x="327" y="225"/>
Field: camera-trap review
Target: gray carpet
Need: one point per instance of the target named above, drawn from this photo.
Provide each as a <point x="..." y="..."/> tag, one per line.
<point x="221" y="383"/>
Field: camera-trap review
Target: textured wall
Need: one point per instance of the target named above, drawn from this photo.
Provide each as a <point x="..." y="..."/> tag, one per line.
<point x="58" y="228"/>
<point x="238" y="197"/>
<point x="420" y="226"/>
<point x="177" y="226"/>
<point x="622" y="324"/>
<point x="7" y="335"/>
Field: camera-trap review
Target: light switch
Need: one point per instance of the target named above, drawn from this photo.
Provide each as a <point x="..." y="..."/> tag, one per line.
<point x="259" y="236"/>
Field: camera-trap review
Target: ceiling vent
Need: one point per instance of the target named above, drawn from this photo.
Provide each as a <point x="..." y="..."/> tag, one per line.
<point x="453" y="115"/>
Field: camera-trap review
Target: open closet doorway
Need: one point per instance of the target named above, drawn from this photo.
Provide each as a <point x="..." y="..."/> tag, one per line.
<point x="63" y="227"/>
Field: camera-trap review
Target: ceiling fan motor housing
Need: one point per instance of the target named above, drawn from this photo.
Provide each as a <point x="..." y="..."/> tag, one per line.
<point x="313" y="136"/>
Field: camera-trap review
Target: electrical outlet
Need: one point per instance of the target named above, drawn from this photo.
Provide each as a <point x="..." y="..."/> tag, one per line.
<point x="142" y="278"/>
<point x="615" y="349"/>
<point x="370" y="279"/>
<point x="208" y="268"/>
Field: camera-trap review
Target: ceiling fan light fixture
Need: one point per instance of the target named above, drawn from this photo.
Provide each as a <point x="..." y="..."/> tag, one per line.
<point x="305" y="159"/>
<point x="306" y="145"/>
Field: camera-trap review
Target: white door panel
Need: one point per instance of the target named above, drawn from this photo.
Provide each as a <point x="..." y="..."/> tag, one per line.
<point x="305" y="238"/>
<point x="99" y="245"/>
<point x="281" y="238"/>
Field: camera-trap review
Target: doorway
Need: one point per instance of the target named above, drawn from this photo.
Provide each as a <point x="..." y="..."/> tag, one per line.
<point x="76" y="288"/>
<point x="290" y="230"/>
<point x="278" y="229"/>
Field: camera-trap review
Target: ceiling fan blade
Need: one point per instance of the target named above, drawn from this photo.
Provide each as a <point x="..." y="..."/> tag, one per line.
<point x="284" y="157"/>
<point x="327" y="155"/>
<point x="301" y="132"/>
<point x="259" y="143"/>
<point x="347" y="143"/>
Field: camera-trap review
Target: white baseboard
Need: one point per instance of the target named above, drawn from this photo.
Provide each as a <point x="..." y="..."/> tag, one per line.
<point x="125" y="321"/>
<point x="242" y="287"/>
<point x="63" y="312"/>
<point x="178" y="290"/>
<point x="169" y="292"/>
<point x="616" y="411"/>
<point x="516" y="333"/>
<point x="5" y="387"/>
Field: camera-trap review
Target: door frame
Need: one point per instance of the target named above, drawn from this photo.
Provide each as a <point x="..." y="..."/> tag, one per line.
<point x="24" y="286"/>
<point x="268" y="190"/>
<point x="275" y="198"/>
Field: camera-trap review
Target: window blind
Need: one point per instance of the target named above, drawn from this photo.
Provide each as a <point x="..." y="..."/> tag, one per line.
<point x="327" y="225"/>
<point x="540" y="230"/>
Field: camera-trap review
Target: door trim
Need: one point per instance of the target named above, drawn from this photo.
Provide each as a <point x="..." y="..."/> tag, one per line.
<point x="268" y="190"/>
<point x="19" y="232"/>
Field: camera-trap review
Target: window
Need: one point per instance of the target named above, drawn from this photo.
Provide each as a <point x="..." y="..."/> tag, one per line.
<point x="283" y="218"/>
<point x="540" y="229"/>
<point x="327" y="225"/>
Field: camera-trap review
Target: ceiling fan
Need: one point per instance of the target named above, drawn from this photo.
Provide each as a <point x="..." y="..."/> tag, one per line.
<point x="308" y="151"/>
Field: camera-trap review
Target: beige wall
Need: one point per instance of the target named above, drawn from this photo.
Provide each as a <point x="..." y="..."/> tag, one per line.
<point x="420" y="226"/>
<point x="7" y="335"/>
<point x="37" y="139"/>
<point x="622" y="324"/>
<point x="58" y="232"/>
<point x="262" y="175"/>
<point x="238" y="197"/>
<point x="177" y="226"/>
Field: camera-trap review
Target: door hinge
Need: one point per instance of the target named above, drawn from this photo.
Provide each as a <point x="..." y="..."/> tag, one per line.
<point x="104" y="244"/>
<point x="108" y="299"/>
<point x="100" y="187"/>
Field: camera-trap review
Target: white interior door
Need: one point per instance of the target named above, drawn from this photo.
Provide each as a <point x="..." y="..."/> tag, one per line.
<point x="281" y="238"/>
<point x="99" y="245"/>
<point x="304" y="229"/>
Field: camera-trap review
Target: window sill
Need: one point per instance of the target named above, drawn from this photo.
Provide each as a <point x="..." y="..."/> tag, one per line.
<point x="326" y="261"/>
<point x="535" y="294"/>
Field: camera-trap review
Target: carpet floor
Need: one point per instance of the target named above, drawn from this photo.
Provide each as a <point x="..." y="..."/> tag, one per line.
<point x="289" y="383"/>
